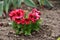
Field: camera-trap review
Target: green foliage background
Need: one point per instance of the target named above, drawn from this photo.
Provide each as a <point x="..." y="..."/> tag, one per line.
<point x="4" y="4"/>
<point x="27" y="29"/>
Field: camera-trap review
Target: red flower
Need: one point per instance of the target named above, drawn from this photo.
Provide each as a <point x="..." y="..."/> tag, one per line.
<point x="20" y="12"/>
<point x="34" y="15"/>
<point x="17" y="15"/>
<point x="23" y="21"/>
<point x="13" y="13"/>
<point x="36" y="11"/>
<point x="31" y="17"/>
<point x="17" y="20"/>
<point x="27" y="21"/>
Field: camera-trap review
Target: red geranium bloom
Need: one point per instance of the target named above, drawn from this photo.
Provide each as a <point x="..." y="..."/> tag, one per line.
<point x="36" y="11"/>
<point x="20" y="12"/>
<point x="17" y="15"/>
<point x="31" y="17"/>
<point x="18" y="20"/>
<point x="13" y="13"/>
<point x="34" y="15"/>
<point x="27" y="21"/>
<point x="23" y="21"/>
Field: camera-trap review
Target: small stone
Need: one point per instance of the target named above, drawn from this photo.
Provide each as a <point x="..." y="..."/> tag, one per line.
<point x="29" y="8"/>
<point x="4" y="15"/>
<point x="45" y="35"/>
<point x="10" y="23"/>
<point x="1" y="39"/>
<point x="33" y="33"/>
<point x="0" y="17"/>
<point x="5" y="24"/>
<point x="1" y="24"/>
<point x="22" y="39"/>
<point x="9" y="19"/>
<point x="11" y="32"/>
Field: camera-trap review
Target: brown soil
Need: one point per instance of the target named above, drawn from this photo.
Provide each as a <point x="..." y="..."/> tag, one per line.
<point x="50" y="28"/>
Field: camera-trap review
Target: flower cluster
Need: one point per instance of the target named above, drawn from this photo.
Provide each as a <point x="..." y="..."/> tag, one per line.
<point x="25" y="23"/>
<point x="18" y="16"/>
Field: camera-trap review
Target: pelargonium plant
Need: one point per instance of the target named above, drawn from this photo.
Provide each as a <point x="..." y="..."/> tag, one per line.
<point x="25" y="23"/>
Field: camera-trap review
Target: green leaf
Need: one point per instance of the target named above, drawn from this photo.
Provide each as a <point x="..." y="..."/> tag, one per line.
<point x="58" y="38"/>
<point x="1" y="8"/>
<point x="15" y="3"/>
<point x="27" y="33"/>
<point x="47" y="3"/>
<point x="6" y="5"/>
<point x="19" y="26"/>
<point x="14" y="25"/>
<point x="17" y="32"/>
<point x="36" y="26"/>
<point x="40" y="21"/>
<point x="19" y="3"/>
<point x="41" y="2"/>
<point x="26" y="29"/>
<point x="29" y="3"/>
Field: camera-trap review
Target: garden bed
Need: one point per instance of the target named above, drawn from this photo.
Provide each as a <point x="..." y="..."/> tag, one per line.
<point x="50" y="28"/>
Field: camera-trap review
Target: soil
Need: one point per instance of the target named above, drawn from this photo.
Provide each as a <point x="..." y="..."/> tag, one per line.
<point x="50" y="28"/>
